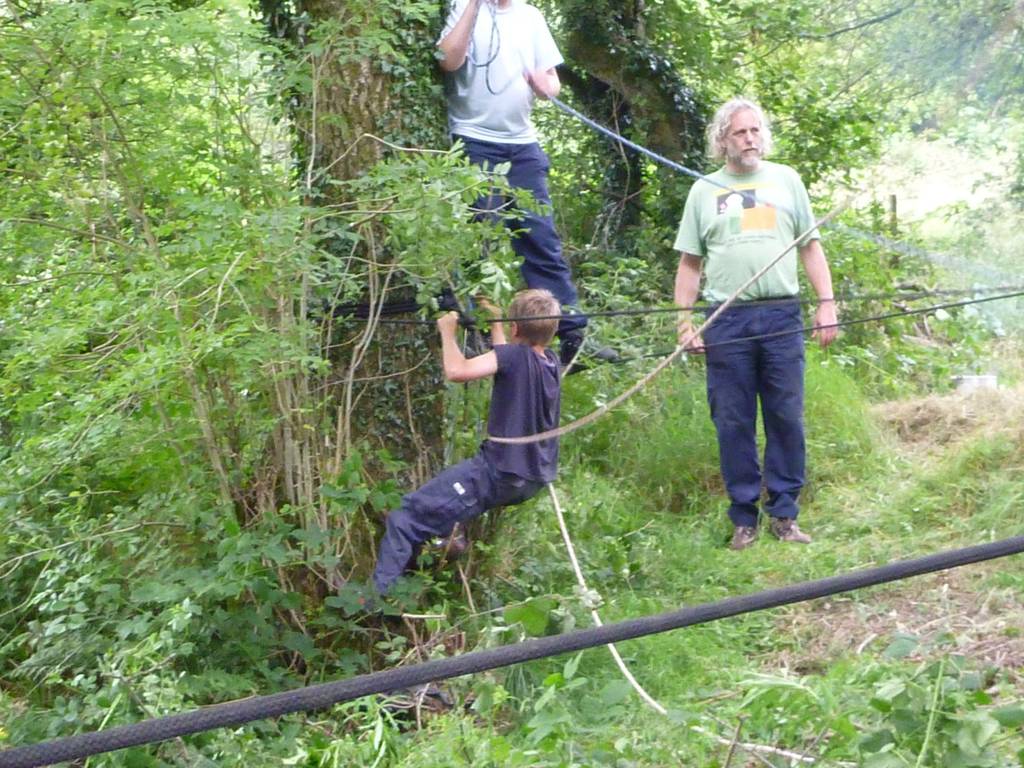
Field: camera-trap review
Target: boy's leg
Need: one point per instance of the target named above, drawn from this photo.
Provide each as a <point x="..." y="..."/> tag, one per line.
<point x="507" y="491"/>
<point x="510" y="490"/>
<point x="458" y="493"/>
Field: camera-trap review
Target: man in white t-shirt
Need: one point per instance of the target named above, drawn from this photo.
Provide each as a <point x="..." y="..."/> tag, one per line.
<point x="498" y="55"/>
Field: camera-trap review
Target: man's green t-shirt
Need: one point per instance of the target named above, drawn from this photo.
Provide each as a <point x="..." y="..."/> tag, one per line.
<point x="737" y="231"/>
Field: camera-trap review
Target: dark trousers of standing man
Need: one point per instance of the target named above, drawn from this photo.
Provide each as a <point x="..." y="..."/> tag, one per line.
<point x="742" y="371"/>
<point x="536" y="241"/>
<point x="457" y="495"/>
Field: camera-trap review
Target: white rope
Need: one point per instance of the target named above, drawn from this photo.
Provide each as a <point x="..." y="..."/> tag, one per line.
<point x="589" y="596"/>
<point x="585" y="590"/>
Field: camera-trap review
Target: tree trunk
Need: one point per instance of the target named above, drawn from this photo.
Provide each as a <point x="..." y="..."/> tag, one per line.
<point x="631" y="87"/>
<point x="382" y="391"/>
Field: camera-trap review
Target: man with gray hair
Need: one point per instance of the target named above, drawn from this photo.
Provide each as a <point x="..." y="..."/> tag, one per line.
<point x="734" y="223"/>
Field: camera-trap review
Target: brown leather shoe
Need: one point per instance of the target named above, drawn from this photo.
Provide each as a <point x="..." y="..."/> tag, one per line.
<point x="742" y="537"/>
<point x="786" y="529"/>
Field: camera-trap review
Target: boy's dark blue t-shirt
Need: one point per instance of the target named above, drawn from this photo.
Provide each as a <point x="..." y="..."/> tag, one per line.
<point x="525" y="400"/>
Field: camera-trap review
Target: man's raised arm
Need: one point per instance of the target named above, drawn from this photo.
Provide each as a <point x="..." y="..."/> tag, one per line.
<point x="455" y="45"/>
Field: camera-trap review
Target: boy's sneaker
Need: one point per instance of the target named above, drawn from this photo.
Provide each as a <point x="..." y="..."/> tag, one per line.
<point x="742" y="537"/>
<point x="786" y="529"/>
<point x="452" y="547"/>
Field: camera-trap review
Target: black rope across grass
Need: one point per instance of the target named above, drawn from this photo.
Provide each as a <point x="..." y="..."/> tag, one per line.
<point x="325" y="695"/>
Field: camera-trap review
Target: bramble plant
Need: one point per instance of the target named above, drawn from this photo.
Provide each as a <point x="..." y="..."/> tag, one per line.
<point x="939" y="714"/>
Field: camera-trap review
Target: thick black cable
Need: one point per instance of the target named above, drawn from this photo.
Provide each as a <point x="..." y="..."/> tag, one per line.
<point x="327" y="694"/>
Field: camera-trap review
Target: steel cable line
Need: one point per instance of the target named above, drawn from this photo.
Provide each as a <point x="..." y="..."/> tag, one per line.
<point x="359" y="311"/>
<point x="844" y="323"/>
<point x="679" y="351"/>
<point x="895" y="245"/>
<point x="873" y="318"/>
<point x="597" y="413"/>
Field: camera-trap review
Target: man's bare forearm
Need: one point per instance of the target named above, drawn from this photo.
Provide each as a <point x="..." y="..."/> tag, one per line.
<point x="545" y="83"/>
<point x="687" y="280"/>
<point x="816" y="267"/>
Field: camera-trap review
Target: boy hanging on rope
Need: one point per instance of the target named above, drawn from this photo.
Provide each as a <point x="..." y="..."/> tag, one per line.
<point x="525" y="400"/>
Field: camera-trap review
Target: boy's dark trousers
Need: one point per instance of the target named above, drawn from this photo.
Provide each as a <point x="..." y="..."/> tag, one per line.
<point x="458" y="494"/>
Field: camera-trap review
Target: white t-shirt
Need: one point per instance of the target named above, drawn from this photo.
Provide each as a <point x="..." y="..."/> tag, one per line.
<point x="488" y="97"/>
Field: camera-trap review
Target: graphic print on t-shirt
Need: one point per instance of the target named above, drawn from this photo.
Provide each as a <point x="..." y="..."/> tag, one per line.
<point x="746" y="210"/>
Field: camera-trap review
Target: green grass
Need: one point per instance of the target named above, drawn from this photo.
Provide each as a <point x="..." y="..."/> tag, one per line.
<point x="642" y="497"/>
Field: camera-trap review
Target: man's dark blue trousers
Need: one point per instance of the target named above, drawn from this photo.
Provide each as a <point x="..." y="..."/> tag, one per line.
<point x="535" y="241"/>
<point x="742" y="371"/>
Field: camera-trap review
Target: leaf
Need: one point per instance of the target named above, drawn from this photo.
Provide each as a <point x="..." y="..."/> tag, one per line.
<point x="352" y="598"/>
<point x="901" y="647"/>
<point x="885" y="760"/>
<point x="300" y="643"/>
<point x="614" y="692"/>
<point x="569" y="670"/>
<point x="975" y="732"/>
<point x="545" y="722"/>
<point x="533" y="615"/>
<point x="683" y="717"/>
<point x="157" y="592"/>
<point x="354" y="496"/>
<point x="875" y="742"/>
<point x="1009" y="717"/>
<point x="888" y="691"/>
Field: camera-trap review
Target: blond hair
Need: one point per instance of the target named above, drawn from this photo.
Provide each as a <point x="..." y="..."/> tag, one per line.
<point x="718" y="129"/>
<point x="540" y="304"/>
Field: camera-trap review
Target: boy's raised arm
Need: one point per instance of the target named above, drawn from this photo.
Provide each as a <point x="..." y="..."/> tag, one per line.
<point x="457" y="368"/>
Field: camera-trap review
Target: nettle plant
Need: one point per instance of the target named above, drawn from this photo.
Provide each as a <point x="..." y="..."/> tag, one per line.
<point x="941" y="713"/>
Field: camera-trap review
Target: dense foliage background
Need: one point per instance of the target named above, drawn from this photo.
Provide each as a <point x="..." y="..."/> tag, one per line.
<point x="198" y="442"/>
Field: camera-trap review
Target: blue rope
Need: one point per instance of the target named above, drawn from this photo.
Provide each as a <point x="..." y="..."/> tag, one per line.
<point x="632" y="145"/>
<point x="894" y="245"/>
